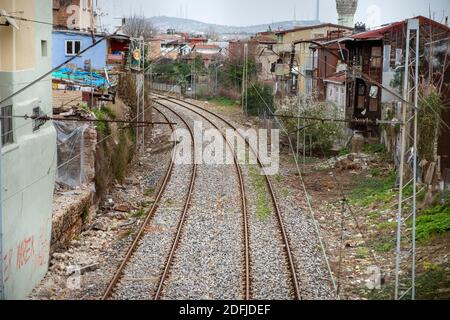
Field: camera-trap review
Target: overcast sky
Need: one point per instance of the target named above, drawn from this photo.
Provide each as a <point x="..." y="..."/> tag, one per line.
<point x="250" y="12"/>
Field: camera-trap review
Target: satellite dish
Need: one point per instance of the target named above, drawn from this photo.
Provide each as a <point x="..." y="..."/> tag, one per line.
<point x="9" y="21"/>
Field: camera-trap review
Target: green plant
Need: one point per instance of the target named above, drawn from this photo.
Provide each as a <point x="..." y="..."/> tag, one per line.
<point x="344" y="152"/>
<point x="222" y="101"/>
<point x="374" y="148"/>
<point x="149" y="192"/>
<point x="111" y="114"/>
<point x="375" y="172"/>
<point x="373" y="190"/>
<point x="138" y="214"/>
<point x="102" y="127"/>
<point x="384" y="246"/>
<point x="259" y="99"/>
<point x="320" y="136"/>
<point x="434" y="221"/>
<point x="258" y="182"/>
<point x="362" y="253"/>
<point x="428" y="125"/>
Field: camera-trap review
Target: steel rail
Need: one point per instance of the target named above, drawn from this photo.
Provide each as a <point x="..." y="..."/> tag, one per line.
<point x="287" y="247"/>
<point x="112" y="285"/>
<point x="247" y="283"/>
<point x="182" y="221"/>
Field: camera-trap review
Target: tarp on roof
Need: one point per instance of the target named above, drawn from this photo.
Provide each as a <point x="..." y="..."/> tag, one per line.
<point x="81" y="77"/>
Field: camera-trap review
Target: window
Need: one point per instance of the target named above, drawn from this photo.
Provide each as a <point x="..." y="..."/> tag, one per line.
<point x="44" y="49"/>
<point x="73" y="47"/>
<point x="7" y="125"/>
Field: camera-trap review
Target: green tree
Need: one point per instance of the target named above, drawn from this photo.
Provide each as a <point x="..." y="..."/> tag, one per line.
<point x="259" y="99"/>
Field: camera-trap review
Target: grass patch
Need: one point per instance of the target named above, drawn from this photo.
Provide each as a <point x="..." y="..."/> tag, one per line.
<point x="138" y="214"/>
<point x="373" y="190"/>
<point x="344" y="152"/>
<point x="434" y="221"/>
<point x="384" y="246"/>
<point x="374" y="148"/>
<point x="222" y="101"/>
<point x="149" y="192"/>
<point x="387" y="226"/>
<point x="362" y="253"/>
<point x="259" y="183"/>
<point x="375" y="172"/>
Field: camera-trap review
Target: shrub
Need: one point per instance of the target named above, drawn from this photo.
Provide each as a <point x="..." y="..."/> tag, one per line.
<point x="260" y="100"/>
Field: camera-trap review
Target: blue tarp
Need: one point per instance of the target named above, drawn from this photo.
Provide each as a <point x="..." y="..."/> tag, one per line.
<point x="81" y="77"/>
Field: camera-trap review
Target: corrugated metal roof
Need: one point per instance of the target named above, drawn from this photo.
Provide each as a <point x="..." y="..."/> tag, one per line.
<point x="377" y="34"/>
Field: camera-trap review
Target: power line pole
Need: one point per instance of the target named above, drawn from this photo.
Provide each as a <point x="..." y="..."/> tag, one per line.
<point x="406" y="246"/>
<point x="244" y="80"/>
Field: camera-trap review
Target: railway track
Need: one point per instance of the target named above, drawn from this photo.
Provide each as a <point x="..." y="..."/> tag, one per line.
<point x="135" y="244"/>
<point x="287" y="248"/>
<point x="247" y="281"/>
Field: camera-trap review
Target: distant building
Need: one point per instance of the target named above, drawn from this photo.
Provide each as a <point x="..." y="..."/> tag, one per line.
<point x="293" y="48"/>
<point x="74" y="15"/>
<point x="380" y="53"/>
<point x="205" y="49"/>
<point x="28" y="149"/>
<point x="328" y="58"/>
<point x="336" y="90"/>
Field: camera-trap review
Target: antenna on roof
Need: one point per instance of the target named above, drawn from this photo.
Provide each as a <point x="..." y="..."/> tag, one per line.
<point x="9" y="21"/>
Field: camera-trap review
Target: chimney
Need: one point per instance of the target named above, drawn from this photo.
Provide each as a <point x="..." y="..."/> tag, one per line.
<point x="346" y="12"/>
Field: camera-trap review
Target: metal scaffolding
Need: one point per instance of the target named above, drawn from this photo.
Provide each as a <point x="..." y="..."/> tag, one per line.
<point x="405" y="267"/>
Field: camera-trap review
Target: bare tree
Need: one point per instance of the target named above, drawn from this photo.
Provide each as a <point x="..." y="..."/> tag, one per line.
<point x="137" y="25"/>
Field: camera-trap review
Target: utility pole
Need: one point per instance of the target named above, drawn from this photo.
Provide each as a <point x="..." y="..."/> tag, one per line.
<point x="244" y="80"/>
<point x="406" y="246"/>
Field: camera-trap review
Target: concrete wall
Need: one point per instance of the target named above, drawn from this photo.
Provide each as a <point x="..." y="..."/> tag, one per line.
<point x="28" y="165"/>
<point x="15" y="45"/>
<point x="336" y="93"/>
<point x="97" y="55"/>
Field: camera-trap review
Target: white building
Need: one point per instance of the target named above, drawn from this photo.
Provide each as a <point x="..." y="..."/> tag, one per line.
<point x="28" y="152"/>
<point x="336" y="89"/>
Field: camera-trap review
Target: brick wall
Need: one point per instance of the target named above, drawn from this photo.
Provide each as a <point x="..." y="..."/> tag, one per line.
<point x="60" y="15"/>
<point x="65" y="100"/>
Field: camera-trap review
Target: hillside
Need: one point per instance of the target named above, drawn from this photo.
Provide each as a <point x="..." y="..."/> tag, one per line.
<point x="186" y="25"/>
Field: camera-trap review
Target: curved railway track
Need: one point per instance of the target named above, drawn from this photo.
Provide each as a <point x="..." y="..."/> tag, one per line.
<point x="247" y="280"/>
<point x="287" y="247"/>
<point x="135" y="244"/>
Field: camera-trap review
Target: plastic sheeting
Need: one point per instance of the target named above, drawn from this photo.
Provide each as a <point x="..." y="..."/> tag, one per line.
<point x="81" y="77"/>
<point x="70" y="140"/>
